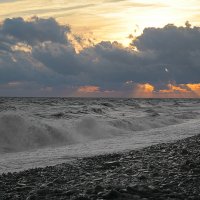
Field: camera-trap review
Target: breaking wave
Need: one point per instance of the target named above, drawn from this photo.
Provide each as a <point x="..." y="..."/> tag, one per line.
<point x="19" y="132"/>
<point x="38" y="123"/>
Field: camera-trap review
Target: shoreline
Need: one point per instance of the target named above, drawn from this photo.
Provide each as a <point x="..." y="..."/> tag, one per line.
<point x="162" y="171"/>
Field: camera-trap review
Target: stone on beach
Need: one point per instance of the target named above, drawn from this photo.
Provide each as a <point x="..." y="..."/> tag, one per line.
<point x="160" y="172"/>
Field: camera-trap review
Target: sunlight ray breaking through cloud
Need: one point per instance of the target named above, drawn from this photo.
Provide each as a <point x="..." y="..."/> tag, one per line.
<point x="102" y="48"/>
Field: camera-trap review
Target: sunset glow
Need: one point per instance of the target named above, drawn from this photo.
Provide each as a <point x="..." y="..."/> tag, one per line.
<point x="88" y="89"/>
<point x="143" y="90"/>
<point x="103" y="48"/>
<point x="84" y="78"/>
<point x="172" y="91"/>
<point x="107" y="20"/>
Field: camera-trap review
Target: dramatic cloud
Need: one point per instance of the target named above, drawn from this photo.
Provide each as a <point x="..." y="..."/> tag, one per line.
<point x="172" y="91"/>
<point x="109" y="20"/>
<point x="40" y="54"/>
<point x="175" y="48"/>
<point x="34" y="31"/>
<point x="58" y="57"/>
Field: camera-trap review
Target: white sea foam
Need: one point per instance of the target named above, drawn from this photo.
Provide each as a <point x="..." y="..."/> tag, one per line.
<point x="20" y="132"/>
<point x="47" y="131"/>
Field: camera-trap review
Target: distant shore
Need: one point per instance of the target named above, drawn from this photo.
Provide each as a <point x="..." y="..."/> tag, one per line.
<point x="168" y="171"/>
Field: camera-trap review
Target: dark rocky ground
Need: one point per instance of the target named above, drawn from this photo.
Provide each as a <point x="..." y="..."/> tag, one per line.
<point x="160" y="172"/>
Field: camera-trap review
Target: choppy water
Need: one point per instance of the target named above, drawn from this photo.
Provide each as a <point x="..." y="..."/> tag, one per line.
<point x="45" y="131"/>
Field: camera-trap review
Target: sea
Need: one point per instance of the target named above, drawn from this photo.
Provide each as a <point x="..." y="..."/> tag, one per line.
<point x="39" y="132"/>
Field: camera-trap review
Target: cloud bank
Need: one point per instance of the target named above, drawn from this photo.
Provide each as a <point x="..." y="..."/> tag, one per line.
<point x="38" y="58"/>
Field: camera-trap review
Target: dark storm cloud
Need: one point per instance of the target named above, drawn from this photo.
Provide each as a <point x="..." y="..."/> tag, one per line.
<point x="58" y="57"/>
<point x="22" y="67"/>
<point x="169" y="38"/>
<point x="36" y="30"/>
<point x="176" y="48"/>
<point x="163" y="54"/>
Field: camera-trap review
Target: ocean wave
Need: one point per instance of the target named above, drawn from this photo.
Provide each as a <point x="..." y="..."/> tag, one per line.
<point x="20" y="132"/>
<point x="38" y="123"/>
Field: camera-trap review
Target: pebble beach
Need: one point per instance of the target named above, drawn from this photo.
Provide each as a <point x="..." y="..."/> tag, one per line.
<point x="168" y="171"/>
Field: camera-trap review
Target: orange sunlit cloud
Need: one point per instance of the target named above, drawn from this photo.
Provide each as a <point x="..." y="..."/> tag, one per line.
<point x="88" y="89"/>
<point x="194" y="87"/>
<point x="96" y="91"/>
<point x="147" y="90"/>
<point x="143" y="90"/>
<point x="173" y="88"/>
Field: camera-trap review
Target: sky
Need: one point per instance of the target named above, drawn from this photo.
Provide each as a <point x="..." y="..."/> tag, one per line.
<point x="106" y="48"/>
